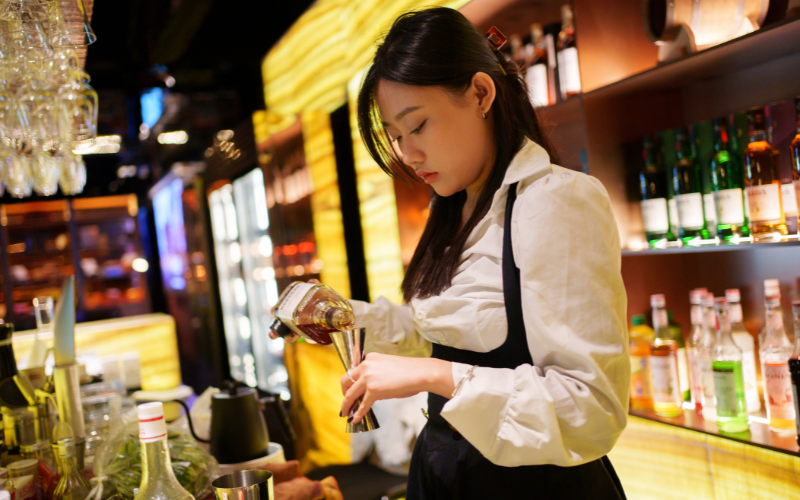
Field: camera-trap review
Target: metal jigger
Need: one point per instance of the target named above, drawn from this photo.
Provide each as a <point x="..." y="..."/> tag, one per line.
<point x="349" y="345"/>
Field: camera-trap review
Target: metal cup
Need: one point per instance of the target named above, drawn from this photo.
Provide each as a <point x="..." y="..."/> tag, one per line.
<point x="350" y="346"/>
<point x="244" y="485"/>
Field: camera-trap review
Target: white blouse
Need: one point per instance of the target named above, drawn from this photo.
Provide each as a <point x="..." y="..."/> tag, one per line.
<point x="571" y="406"/>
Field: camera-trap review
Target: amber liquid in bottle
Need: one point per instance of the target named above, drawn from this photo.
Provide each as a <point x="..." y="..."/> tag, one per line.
<point x="763" y="182"/>
<point x="315" y="310"/>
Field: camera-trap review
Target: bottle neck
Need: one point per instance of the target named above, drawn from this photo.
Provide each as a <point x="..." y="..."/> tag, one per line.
<point x="660" y="323"/>
<point x="736" y="313"/>
<point x="758" y="136"/>
<point x="156" y="463"/>
<point x="697" y="314"/>
<point x="330" y="316"/>
<point x="68" y="466"/>
<point x="722" y="318"/>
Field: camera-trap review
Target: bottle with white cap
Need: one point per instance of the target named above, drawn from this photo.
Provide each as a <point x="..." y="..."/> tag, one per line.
<point x="746" y="343"/>
<point x="158" y="479"/>
<point x="706" y="352"/>
<point x="775" y="351"/>
<point x="695" y="374"/>
<point x="772" y="288"/>
<point x="667" y="395"/>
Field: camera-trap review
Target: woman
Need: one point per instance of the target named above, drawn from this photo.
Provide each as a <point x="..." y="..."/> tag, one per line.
<point x="515" y="283"/>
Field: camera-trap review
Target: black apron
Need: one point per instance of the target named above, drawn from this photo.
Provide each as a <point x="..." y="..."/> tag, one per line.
<point x="446" y="466"/>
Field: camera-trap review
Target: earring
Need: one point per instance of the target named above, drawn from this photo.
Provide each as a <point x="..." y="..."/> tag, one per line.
<point x="484" y="115"/>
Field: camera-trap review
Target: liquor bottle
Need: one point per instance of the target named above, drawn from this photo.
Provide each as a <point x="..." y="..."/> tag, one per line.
<point x="727" y="182"/>
<point x="693" y="353"/>
<point x="703" y="139"/>
<point x="683" y="365"/>
<point x="569" y="74"/>
<point x="795" y="151"/>
<point x="706" y="353"/>
<point x="71" y="484"/>
<point x="158" y="479"/>
<point x="666" y="140"/>
<point x="763" y="182"/>
<point x="745" y="342"/>
<point x="775" y="353"/>
<point x="772" y="288"/>
<point x="641" y="337"/>
<point x="667" y="397"/>
<point x="728" y="379"/>
<point x="687" y="184"/>
<point x="794" y="366"/>
<point x="536" y="74"/>
<point x="516" y="52"/>
<point x="311" y="311"/>
<point x="653" y="188"/>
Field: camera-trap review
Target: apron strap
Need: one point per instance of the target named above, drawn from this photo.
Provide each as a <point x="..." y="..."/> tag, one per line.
<point x="517" y="339"/>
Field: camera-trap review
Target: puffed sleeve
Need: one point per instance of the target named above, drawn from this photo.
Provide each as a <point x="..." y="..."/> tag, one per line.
<point x="390" y="328"/>
<point x="571" y="406"/>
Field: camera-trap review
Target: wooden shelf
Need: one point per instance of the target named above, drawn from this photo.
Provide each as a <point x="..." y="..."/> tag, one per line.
<point x="710" y="248"/>
<point x="759" y="435"/>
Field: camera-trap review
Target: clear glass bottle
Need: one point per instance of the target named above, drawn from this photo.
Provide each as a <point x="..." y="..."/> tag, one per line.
<point x="695" y="373"/>
<point x="688" y="187"/>
<point x="653" y="189"/>
<point x="667" y="397"/>
<point x="683" y="364"/>
<point x="569" y="73"/>
<point x="641" y="337"/>
<point x="772" y="288"/>
<point x="763" y="181"/>
<point x="775" y="353"/>
<point x="794" y="366"/>
<point x="158" y="479"/>
<point x="706" y="351"/>
<point x="746" y="343"/>
<point x="728" y="379"/>
<point x="727" y="182"/>
<point x="312" y="311"/>
<point x="71" y="485"/>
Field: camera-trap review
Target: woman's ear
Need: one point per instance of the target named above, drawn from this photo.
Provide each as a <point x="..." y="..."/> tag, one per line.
<point x="483" y="90"/>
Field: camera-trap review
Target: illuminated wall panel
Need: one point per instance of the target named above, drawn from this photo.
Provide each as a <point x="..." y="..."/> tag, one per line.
<point x="325" y="200"/>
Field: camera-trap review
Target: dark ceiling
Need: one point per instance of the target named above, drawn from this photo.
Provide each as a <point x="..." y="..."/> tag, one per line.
<point x="204" y="44"/>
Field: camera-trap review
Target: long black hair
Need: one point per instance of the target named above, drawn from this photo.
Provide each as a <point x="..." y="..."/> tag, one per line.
<point x="440" y="47"/>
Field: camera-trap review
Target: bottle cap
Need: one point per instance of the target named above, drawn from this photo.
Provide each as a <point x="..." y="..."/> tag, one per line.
<point x="638" y="320"/>
<point x="696" y="296"/>
<point x="733" y="295"/>
<point x="280" y="329"/>
<point x="658" y="300"/>
<point x="152" y="426"/>
<point x="772" y="289"/>
<point x="721" y="301"/>
<point x="708" y="300"/>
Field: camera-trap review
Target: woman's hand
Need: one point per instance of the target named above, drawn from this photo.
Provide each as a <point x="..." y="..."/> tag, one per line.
<point x="292" y="336"/>
<point x="384" y="376"/>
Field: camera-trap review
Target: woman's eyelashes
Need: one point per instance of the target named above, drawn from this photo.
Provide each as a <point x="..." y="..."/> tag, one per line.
<point x="415" y="131"/>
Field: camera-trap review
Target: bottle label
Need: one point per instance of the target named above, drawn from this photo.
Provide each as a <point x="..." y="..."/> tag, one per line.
<point x="765" y="202"/>
<point x="640" y="372"/>
<point x="666" y="388"/>
<point x="286" y="307"/>
<point x="152" y="429"/>
<point x="690" y="210"/>
<point x="673" y="214"/>
<point x="725" y="391"/>
<point x="778" y="384"/>
<point x="710" y="208"/>
<point x="789" y="200"/>
<point x="568" y="71"/>
<point x="536" y="78"/>
<point x="654" y="215"/>
<point x="730" y="207"/>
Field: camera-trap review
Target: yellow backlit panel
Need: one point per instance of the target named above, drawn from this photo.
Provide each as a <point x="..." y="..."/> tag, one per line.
<point x="326" y="201"/>
<point x="378" y="218"/>
<point x="657" y="461"/>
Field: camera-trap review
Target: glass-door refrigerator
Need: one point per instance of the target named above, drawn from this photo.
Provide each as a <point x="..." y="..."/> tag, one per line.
<point x="247" y="285"/>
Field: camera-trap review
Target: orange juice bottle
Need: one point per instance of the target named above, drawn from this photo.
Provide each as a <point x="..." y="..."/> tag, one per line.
<point x="641" y="336"/>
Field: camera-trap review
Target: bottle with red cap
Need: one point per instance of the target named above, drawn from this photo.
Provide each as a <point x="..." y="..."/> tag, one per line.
<point x="695" y="374"/>
<point x="746" y="343"/>
<point x="158" y="479"/>
<point x="775" y="351"/>
<point x="667" y="396"/>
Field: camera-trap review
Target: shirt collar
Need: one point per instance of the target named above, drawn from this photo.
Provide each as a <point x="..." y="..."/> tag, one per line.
<point x="529" y="160"/>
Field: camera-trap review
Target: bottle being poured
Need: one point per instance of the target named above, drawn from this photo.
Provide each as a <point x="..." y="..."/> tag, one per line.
<point x="312" y="311"/>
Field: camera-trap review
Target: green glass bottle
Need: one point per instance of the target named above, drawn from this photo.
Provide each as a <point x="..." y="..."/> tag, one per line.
<point x="703" y="139"/>
<point x="666" y="157"/>
<point x="654" y="205"/>
<point x="728" y="378"/>
<point x="795" y="150"/>
<point x="727" y="180"/>
<point x="687" y="183"/>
